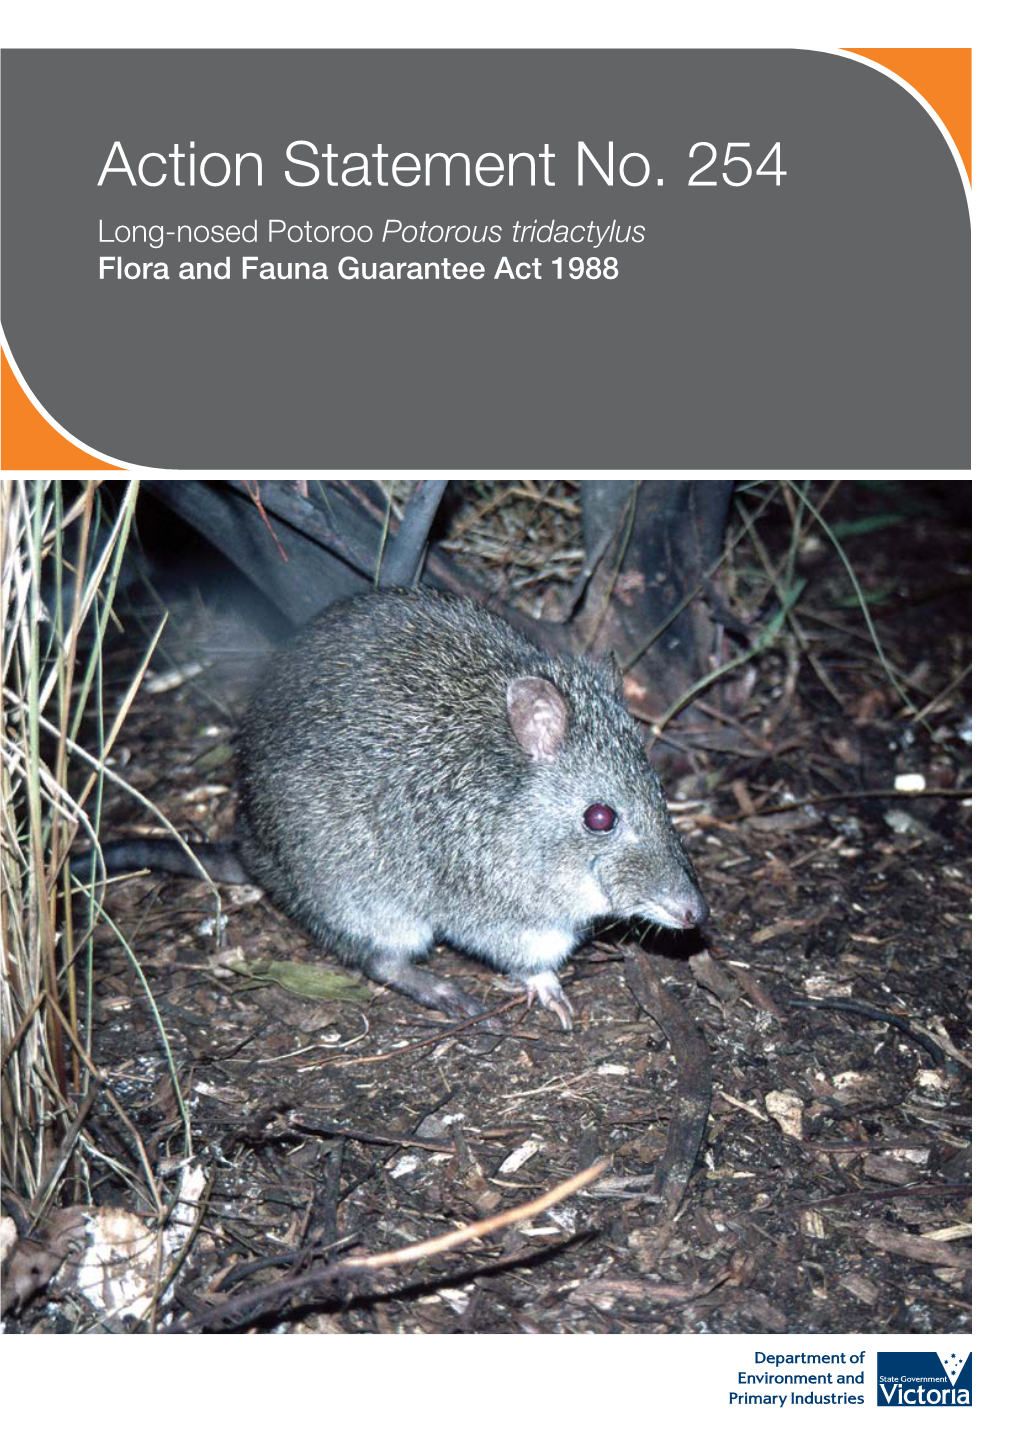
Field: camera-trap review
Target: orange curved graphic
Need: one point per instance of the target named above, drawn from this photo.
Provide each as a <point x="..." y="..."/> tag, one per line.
<point x="29" y="442"/>
<point x="943" y="78"/>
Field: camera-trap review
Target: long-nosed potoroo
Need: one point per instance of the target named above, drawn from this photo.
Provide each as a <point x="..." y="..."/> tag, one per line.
<point x="411" y="769"/>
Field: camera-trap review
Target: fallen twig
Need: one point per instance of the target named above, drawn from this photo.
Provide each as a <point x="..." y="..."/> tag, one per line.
<point x="251" y="1304"/>
<point x="694" y="1077"/>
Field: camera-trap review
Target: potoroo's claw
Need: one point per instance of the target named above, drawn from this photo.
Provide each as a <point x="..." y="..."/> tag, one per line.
<point x="544" y="987"/>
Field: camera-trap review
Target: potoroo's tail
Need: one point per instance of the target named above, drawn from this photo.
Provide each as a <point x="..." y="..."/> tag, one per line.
<point x="143" y="853"/>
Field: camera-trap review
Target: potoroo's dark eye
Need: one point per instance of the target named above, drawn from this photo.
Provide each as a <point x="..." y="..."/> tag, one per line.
<point x="600" y="817"/>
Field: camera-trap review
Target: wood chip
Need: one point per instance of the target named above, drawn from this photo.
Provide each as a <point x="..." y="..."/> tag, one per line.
<point x="918" y="1249"/>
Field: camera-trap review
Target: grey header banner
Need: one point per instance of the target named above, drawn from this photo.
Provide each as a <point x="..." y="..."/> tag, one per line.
<point x="495" y="260"/>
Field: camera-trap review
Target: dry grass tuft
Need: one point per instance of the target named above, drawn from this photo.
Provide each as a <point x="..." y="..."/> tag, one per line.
<point x="60" y="557"/>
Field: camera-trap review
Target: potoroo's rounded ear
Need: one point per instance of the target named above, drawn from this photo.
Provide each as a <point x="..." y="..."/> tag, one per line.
<point x="539" y="715"/>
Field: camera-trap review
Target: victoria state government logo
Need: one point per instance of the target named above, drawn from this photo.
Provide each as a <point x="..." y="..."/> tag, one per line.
<point x="924" y="1379"/>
